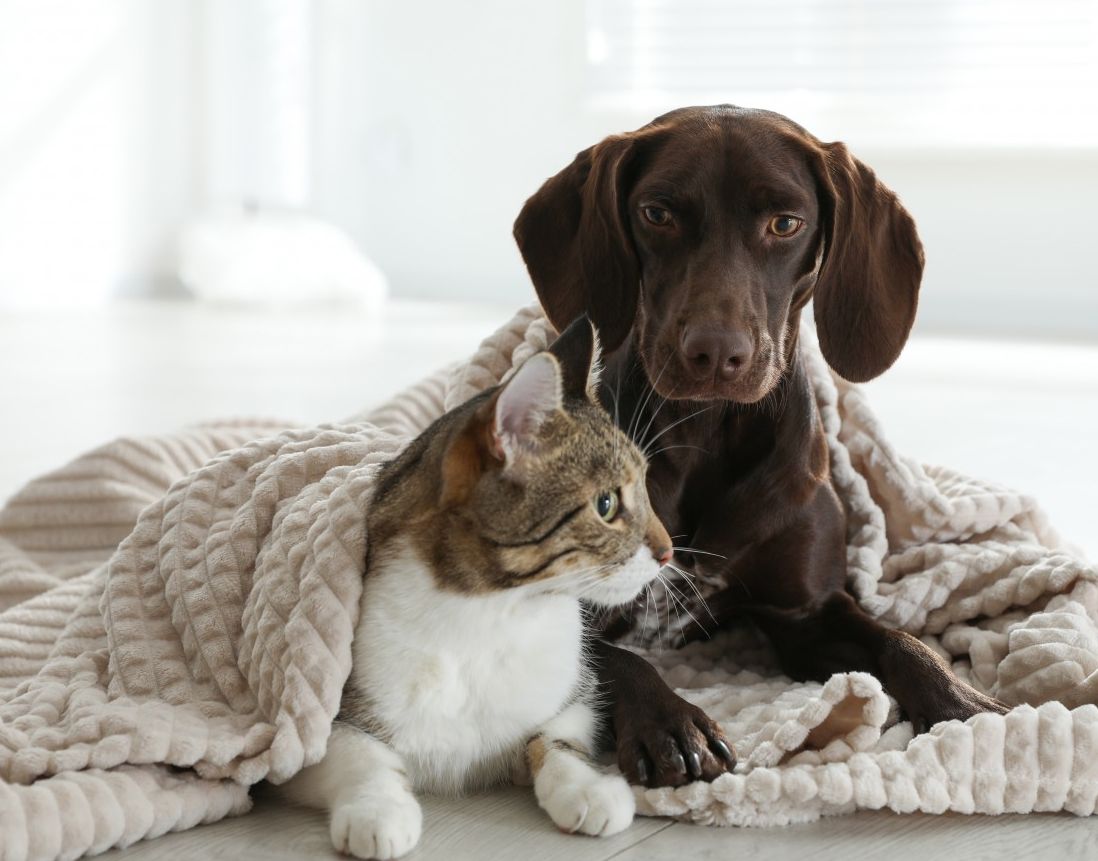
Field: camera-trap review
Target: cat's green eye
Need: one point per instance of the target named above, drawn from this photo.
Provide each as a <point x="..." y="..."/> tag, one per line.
<point x="607" y="505"/>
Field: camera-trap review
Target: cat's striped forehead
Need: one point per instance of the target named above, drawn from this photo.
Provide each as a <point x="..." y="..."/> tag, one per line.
<point x="589" y="444"/>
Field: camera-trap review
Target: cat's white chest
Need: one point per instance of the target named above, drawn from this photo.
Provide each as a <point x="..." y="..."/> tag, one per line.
<point x="458" y="683"/>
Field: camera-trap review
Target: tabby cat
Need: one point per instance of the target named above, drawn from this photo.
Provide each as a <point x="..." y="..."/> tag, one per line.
<point x="468" y="660"/>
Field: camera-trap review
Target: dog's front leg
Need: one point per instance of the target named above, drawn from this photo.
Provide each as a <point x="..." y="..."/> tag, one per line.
<point x="838" y="635"/>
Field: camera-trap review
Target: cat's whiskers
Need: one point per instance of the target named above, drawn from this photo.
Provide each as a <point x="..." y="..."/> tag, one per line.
<point x="638" y="411"/>
<point x="678" y="599"/>
<point x="670" y="447"/>
<point x="655" y="413"/>
<point x="670" y="586"/>
<point x="695" y="550"/>
<point x="656" y="607"/>
<point x="689" y="578"/>
<point x="663" y="402"/>
<point x="648" y="601"/>
<point x="663" y="582"/>
<point x="728" y="573"/>
<point x="648" y="427"/>
<point x="675" y="424"/>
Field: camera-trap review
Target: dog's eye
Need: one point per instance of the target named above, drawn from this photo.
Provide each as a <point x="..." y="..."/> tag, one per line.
<point x="657" y="215"/>
<point x="784" y="225"/>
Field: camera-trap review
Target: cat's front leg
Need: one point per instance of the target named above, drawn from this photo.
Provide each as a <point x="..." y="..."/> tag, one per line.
<point x="362" y="783"/>
<point x="573" y="792"/>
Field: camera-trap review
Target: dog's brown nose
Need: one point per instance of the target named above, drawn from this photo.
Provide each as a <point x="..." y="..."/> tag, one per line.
<point x="710" y="352"/>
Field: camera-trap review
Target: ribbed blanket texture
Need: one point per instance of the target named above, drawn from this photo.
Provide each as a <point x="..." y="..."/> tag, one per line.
<point x="176" y="616"/>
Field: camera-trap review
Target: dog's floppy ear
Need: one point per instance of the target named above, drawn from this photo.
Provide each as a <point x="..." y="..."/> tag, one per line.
<point x="868" y="287"/>
<point x="574" y="236"/>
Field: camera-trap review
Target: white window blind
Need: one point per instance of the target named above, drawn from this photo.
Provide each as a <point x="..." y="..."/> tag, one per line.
<point x="1013" y="72"/>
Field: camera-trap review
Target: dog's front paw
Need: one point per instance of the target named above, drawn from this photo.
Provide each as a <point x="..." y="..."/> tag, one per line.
<point x="667" y="741"/>
<point x="377" y="828"/>
<point x="599" y="805"/>
<point x="957" y="701"/>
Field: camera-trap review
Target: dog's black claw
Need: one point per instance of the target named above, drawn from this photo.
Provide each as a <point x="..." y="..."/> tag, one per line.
<point x="694" y="763"/>
<point x="679" y="763"/>
<point x="724" y="752"/>
<point x="642" y="770"/>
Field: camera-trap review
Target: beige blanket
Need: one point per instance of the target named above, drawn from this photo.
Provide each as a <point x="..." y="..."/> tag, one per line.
<point x="176" y="618"/>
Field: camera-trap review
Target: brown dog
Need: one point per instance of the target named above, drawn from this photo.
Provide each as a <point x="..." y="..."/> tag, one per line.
<point x="694" y="243"/>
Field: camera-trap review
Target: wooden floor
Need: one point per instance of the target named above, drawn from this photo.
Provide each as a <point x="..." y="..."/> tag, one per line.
<point x="507" y="824"/>
<point x="1024" y="414"/>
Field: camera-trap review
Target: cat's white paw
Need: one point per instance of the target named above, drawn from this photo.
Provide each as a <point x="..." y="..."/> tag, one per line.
<point x="377" y="829"/>
<point x="599" y="805"/>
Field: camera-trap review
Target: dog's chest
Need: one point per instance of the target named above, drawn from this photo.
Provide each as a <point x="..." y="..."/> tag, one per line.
<point x="458" y="683"/>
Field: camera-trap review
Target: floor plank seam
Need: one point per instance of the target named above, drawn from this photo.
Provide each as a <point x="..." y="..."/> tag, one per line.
<point x="668" y="824"/>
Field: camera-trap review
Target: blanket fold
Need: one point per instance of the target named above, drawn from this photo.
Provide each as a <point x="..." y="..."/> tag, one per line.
<point x="176" y="617"/>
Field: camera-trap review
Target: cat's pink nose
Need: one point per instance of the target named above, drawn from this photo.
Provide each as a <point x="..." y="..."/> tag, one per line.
<point x="663" y="555"/>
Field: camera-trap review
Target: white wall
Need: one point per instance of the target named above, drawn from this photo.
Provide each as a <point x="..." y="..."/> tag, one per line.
<point x="96" y="162"/>
<point x="1009" y="240"/>
<point x="459" y="111"/>
<point x="431" y="124"/>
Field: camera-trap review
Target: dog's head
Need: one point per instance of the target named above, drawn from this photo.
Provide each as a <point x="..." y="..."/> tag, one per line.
<point x="705" y="231"/>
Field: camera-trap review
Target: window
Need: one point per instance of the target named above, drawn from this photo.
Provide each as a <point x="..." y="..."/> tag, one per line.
<point x="967" y="72"/>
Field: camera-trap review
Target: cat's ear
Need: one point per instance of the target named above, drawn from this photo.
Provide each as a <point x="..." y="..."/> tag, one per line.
<point x="579" y="354"/>
<point x="522" y="406"/>
<point x="505" y="428"/>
